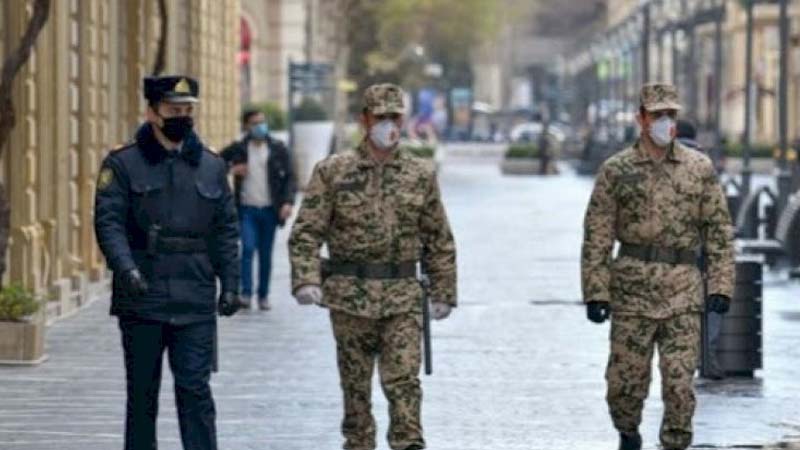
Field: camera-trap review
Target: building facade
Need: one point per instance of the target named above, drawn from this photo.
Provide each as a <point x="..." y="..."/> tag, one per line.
<point x="670" y="62"/>
<point x="80" y="95"/>
<point x="281" y="31"/>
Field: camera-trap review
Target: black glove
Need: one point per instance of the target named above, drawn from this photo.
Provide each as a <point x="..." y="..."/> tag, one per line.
<point x="228" y="304"/>
<point x="598" y="311"/>
<point x="718" y="303"/>
<point x="133" y="283"/>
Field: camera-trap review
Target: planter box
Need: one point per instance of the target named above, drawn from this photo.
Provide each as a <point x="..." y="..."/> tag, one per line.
<point x="763" y="166"/>
<point x="524" y="166"/>
<point x="22" y="343"/>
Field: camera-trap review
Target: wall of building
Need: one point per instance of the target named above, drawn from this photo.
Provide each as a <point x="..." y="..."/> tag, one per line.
<point x="80" y="95"/>
<point x="765" y="68"/>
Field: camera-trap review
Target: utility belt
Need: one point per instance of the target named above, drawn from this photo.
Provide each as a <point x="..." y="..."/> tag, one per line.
<point x="157" y="244"/>
<point x="655" y="254"/>
<point x="369" y="271"/>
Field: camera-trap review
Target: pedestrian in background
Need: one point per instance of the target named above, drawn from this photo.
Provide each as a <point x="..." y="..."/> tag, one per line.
<point x="662" y="202"/>
<point x="166" y="222"/>
<point x="264" y="186"/>
<point x="379" y="210"/>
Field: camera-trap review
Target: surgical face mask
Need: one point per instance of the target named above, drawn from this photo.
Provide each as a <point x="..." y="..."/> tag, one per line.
<point x="259" y="131"/>
<point x="661" y="131"/>
<point x="385" y="134"/>
<point x="177" y="128"/>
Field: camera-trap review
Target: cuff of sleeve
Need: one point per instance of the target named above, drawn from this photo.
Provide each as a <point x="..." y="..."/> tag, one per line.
<point x="444" y="296"/>
<point x="720" y="289"/>
<point x="123" y="265"/>
<point x="305" y="281"/>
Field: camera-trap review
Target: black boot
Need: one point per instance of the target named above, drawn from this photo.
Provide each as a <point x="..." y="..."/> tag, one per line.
<point x="630" y="441"/>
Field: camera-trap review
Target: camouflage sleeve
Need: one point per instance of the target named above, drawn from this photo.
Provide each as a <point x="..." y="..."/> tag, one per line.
<point x="717" y="233"/>
<point x="438" y="248"/>
<point x="309" y="231"/>
<point x="598" y="240"/>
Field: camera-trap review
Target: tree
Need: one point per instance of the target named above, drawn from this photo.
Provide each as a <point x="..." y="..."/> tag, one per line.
<point x="383" y="35"/>
<point x="11" y="67"/>
<point x="161" y="53"/>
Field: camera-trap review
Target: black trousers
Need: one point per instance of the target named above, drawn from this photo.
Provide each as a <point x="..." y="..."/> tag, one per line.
<point x="190" y="349"/>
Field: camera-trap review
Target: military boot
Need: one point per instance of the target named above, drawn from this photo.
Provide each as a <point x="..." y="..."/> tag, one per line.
<point x="631" y="441"/>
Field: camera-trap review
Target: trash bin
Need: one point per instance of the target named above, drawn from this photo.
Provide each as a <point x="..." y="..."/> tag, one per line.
<point x="739" y="346"/>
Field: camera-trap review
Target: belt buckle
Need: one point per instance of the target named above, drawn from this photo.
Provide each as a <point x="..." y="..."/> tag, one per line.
<point x="652" y="253"/>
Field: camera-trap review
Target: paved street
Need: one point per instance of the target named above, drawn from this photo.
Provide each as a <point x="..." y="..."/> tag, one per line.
<point x="517" y="366"/>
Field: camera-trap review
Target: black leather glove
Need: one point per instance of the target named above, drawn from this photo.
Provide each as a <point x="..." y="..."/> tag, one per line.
<point x="598" y="311"/>
<point x="133" y="283"/>
<point x="718" y="303"/>
<point x="228" y="304"/>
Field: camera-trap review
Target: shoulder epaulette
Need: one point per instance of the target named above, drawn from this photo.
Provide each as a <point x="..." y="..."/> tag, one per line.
<point x="123" y="146"/>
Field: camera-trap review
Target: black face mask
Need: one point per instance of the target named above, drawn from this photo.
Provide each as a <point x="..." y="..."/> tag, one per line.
<point x="177" y="128"/>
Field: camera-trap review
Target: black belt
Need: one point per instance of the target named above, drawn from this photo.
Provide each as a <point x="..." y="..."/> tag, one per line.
<point x="378" y="271"/>
<point x="652" y="253"/>
<point x="180" y="245"/>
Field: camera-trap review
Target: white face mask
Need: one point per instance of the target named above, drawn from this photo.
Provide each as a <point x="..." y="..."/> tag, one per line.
<point x="661" y="131"/>
<point x="385" y="134"/>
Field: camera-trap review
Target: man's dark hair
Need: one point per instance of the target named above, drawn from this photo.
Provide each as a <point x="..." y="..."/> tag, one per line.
<point x="248" y="113"/>
<point x="685" y="130"/>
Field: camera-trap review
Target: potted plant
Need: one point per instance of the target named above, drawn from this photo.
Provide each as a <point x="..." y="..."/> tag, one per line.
<point x="763" y="156"/>
<point x="21" y="327"/>
<point x="520" y="159"/>
<point x="312" y="133"/>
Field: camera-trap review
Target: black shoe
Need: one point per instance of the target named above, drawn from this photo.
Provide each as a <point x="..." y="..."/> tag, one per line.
<point x="415" y="447"/>
<point x="630" y="441"/>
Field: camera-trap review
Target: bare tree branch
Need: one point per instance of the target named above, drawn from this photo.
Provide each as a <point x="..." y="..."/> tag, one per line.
<point x="12" y="65"/>
<point x="8" y="119"/>
<point x="160" y="61"/>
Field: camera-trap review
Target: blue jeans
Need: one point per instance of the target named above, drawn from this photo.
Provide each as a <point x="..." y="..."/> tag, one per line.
<point x="258" y="234"/>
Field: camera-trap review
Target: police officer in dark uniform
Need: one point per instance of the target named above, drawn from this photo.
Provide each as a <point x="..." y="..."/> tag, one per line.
<point x="166" y="222"/>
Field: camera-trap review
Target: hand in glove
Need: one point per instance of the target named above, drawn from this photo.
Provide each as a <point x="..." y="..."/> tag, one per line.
<point x="440" y="310"/>
<point x="309" y="295"/>
<point x="133" y="283"/>
<point x="719" y="303"/>
<point x="598" y="311"/>
<point x="228" y="304"/>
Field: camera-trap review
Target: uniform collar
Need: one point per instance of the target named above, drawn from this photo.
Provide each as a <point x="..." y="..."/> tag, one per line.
<point x="190" y="150"/>
<point x="366" y="160"/>
<point x="675" y="154"/>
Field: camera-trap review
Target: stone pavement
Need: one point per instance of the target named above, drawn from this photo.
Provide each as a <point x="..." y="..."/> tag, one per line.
<point x="517" y="366"/>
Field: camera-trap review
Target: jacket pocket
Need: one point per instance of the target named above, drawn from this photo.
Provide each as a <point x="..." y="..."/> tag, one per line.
<point x="146" y="201"/>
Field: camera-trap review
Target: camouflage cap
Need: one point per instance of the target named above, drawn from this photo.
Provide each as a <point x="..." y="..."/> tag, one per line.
<point x="385" y="98"/>
<point x="659" y="96"/>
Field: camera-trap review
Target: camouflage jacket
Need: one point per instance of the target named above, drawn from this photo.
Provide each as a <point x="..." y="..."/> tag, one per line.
<point x="369" y="212"/>
<point x="675" y="203"/>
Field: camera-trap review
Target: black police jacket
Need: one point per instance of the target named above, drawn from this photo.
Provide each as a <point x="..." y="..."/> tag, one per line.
<point x="282" y="182"/>
<point x="148" y="197"/>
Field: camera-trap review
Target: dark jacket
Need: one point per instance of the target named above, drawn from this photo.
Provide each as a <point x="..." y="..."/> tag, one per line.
<point x="143" y="186"/>
<point x="282" y="183"/>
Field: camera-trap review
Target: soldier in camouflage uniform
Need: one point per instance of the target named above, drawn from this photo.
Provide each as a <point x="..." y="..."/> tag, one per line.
<point x="661" y="201"/>
<point x="380" y="213"/>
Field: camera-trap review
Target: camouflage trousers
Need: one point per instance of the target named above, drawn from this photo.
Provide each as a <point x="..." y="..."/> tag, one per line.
<point x="633" y="340"/>
<point x="395" y="343"/>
